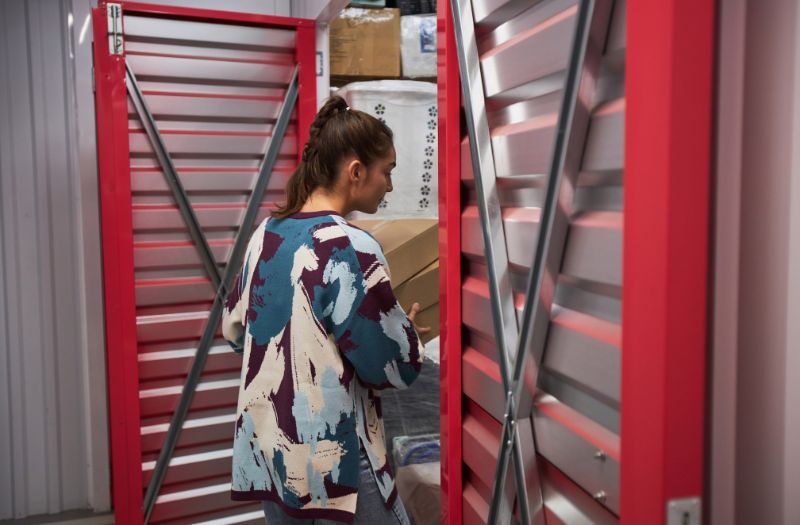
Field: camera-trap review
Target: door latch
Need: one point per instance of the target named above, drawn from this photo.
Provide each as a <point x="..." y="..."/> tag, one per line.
<point x="114" y="13"/>
<point x="684" y="511"/>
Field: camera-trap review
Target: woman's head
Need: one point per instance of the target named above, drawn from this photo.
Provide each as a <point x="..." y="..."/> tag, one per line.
<point x="348" y="152"/>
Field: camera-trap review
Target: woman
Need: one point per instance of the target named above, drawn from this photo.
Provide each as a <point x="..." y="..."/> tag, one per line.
<point x="321" y="331"/>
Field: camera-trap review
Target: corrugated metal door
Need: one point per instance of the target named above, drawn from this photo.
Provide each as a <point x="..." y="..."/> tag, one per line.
<point x="513" y="58"/>
<point x="214" y="82"/>
<point x="524" y="50"/>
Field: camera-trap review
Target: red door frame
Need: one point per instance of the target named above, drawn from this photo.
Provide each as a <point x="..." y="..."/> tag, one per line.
<point x="449" y="97"/>
<point x="113" y="152"/>
<point x="668" y="145"/>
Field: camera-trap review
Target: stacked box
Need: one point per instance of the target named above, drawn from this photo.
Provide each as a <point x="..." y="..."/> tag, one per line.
<point x="411" y="247"/>
<point x="365" y="43"/>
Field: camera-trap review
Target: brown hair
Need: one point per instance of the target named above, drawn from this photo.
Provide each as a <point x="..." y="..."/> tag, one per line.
<point x="336" y="133"/>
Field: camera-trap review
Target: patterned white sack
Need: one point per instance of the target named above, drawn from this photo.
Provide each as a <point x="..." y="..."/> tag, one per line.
<point x="409" y="108"/>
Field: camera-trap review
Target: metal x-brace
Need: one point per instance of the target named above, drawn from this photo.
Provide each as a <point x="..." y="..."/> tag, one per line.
<point x="588" y="43"/>
<point x="220" y="281"/>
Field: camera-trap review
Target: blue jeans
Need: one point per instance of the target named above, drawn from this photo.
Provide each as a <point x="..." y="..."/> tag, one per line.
<point x="370" y="508"/>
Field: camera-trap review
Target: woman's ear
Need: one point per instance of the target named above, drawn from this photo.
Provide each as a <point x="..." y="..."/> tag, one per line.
<point x="355" y="171"/>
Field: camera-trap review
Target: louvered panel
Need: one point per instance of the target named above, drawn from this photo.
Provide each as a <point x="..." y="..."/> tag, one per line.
<point x="194" y="142"/>
<point x="202" y="34"/>
<point x="199" y="429"/>
<point x="170" y="327"/>
<point x="524" y="47"/>
<point x="170" y="106"/>
<point x="210" y="216"/>
<point x="585" y="350"/>
<point x="187" y="467"/>
<point x="523" y="148"/>
<point x="568" y="504"/>
<point x="215" y="91"/>
<point x="248" y="518"/>
<point x="176" y="254"/>
<point x="171" y="363"/>
<point x="210" y="394"/>
<point x="174" y="505"/>
<point x="594" y="248"/>
<point x="543" y="48"/>
<point x="199" y="68"/>
<point x="476" y="509"/>
<point x="586" y="452"/>
<point x="153" y="292"/>
<point x="233" y="180"/>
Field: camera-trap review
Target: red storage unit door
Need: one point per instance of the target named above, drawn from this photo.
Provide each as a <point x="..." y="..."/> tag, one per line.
<point x="523" y="56"/>
<point x="214" y="82"/>
<point x="604" y="454"/>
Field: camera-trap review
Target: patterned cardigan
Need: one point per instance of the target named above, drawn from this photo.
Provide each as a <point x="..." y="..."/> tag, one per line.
<point x="321" y="331"/>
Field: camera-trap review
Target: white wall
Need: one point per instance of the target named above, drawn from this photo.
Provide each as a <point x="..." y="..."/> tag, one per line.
<point x="755" y="463"/>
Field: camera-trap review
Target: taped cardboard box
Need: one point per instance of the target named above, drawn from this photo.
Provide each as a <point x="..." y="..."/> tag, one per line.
<point x="410" y="245"/>
<point x="365" y="43"/>
<point x="423" y="288"/>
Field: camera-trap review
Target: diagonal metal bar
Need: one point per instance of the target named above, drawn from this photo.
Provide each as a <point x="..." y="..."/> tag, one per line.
<point x="171" y="175"/>
<point x="591" y="27"/>
<point x="232" y="268"/>
<point x="504" y="315"/>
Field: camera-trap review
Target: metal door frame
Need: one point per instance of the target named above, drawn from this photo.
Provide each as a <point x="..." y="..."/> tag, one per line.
<point x="117" y="228"/>
<point x="449" y="178"/>
<point x="668" y="152"/>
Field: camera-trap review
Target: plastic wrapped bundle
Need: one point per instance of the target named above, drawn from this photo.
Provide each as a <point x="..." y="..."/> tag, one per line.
<point x="418" y="45"/>
<point x="409" y="108"/>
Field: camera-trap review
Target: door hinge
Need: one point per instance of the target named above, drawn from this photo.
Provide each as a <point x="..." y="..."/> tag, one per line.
<point x="684" y="511"/>
<point x="115" y="45"/>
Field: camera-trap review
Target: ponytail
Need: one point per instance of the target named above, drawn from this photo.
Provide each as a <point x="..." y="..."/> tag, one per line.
<point x="336" y="133"/>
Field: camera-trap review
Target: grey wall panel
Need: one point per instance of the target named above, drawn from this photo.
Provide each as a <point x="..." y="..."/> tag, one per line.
<point x="54" y="444"/>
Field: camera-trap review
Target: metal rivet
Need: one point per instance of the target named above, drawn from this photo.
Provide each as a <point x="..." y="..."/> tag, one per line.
<point x="508" y="442"/>
<point x="600" y="455"/>
<point x="600" y="496"/>
<point x="513" y="423"/>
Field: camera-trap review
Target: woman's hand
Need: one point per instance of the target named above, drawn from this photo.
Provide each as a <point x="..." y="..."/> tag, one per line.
<point x="412" y="315"/>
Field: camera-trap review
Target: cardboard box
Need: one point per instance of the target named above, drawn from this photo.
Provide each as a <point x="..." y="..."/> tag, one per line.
<point x="423" y="288"/>
<point x="409" y="245"/>
<point x="366" y="43"/>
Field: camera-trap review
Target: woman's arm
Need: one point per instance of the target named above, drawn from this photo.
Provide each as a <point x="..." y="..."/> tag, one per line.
<point x="376" y="336"/>
<point x="235" y="307"/>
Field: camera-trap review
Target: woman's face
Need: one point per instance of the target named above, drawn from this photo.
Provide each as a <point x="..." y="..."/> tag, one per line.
<point x="376" y="184"/>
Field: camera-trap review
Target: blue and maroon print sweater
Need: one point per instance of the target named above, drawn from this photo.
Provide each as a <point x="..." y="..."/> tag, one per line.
<point x="321" y="331"/>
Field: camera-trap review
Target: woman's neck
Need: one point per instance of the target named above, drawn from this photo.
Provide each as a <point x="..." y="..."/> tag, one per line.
<point x="320" y="200"/>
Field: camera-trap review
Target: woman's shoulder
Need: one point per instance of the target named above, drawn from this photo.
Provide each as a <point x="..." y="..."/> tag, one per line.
<point x="361" y="241"/>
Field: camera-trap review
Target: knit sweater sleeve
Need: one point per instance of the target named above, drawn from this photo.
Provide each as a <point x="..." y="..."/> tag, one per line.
<point x="375" y="335"/>
<point x="234" y="311"/>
